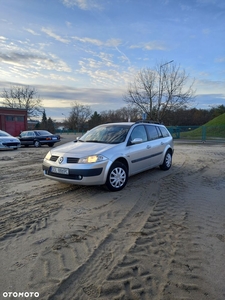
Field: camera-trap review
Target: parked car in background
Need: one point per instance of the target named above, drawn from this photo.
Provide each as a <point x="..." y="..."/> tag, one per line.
<point x="37" y="138"/>
<point x="110" y="153"/>
<point x="7" y="141"/>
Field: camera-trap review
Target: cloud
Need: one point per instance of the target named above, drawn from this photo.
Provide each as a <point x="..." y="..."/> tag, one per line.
<point x="99" y="43"/>
<point x="84" y="4"/>
<point x="208" y="101"/>
<point x="154" y="45"/>
<point x="220" y="59"/>
<point x="58" y="38"/>
<point x="31" y="31"/>
<point x="110" y="43"/>
<point x="2" y="38"/>
<point x="31" y="60"/>
<point x="205" y="86"/>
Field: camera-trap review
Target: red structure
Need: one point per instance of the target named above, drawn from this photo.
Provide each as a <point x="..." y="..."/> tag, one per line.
<point x="13" y="120"/>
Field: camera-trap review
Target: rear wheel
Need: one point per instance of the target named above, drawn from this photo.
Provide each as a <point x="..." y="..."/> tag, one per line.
<point x="51" y="144"/>
<point x="117" y="177"/>
<point x="167" y="163"/>
<point x="37" y="144"/>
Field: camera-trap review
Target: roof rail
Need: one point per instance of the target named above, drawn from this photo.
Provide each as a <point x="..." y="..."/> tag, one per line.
<point x="147" y="121"/>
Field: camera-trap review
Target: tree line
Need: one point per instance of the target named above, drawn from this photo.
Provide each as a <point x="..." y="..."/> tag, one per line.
<point x="180" y="117"/>
<point x="163" y="94"/>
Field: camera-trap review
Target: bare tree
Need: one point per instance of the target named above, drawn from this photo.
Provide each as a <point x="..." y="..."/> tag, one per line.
<point x="79" y="115"/>
<point x="123" y="114"/>
<point x="22" y="97"/>
<point x="158" y="90"/>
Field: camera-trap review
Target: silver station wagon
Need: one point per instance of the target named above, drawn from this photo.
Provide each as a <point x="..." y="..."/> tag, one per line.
<point x="108" y="154"/>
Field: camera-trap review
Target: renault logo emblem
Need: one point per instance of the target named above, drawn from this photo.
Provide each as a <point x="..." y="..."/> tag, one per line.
<point x="60" y="160"/>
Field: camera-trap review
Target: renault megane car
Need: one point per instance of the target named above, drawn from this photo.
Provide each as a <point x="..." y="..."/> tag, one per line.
<point x="8" y="141"/>
<point x="108" y="154"/>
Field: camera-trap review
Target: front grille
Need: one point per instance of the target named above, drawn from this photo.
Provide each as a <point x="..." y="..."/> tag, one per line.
<point x="54" y="158"/>
<point x="11" y="144"/>
<point x="72" y="160"/>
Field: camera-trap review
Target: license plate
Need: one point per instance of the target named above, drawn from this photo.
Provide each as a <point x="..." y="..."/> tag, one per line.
<point x="57" y="170"/>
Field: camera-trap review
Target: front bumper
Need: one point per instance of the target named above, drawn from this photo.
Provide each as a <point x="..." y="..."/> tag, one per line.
<point x="10" y="145"/>
<point x="80" y="174"/>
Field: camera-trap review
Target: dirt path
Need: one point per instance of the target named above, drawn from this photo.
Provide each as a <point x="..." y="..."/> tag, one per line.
<point x="162" y="237"/>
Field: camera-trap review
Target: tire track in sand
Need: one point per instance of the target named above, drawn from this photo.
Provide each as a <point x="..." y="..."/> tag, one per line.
<point x="153" y="267"/>
<point x="99" y="259"/>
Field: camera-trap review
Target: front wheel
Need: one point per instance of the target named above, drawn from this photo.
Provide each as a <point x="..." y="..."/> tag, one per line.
<point x="51" y="144"/>
<point x="117" y="177"/>
<point x="167" y="163"/>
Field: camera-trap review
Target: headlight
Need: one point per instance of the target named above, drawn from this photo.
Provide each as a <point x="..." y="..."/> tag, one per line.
<point x="48" y="155"/>
<point x="91" y="159"/>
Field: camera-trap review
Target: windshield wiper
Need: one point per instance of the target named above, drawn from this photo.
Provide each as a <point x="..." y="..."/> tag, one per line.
<point x="95" y="141"/>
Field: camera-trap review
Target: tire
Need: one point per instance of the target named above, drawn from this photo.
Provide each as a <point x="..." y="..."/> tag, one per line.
<point x="51" y="145"/>
<point x="37" y="144"/>
<point x="117" y="177"/>
<point x="167" y="163"/>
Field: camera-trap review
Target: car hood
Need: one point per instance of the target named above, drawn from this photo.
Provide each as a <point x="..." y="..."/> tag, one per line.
<point x="9" y="139"/>
<point x="81" y="149"/>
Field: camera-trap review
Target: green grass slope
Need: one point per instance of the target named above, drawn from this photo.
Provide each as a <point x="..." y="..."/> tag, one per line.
<point x="215" y="128"/>
<point x="218" y="121"/>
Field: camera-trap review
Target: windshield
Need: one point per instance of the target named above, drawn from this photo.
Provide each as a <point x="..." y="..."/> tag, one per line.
<point x="108" y="134"/>
<point x="4" y="133"/>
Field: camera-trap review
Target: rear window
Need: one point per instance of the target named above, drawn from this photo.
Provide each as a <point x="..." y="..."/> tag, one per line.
<point x="43" y="133"/>
<point x="164" y="131"/>
<point x="152" y="132"/>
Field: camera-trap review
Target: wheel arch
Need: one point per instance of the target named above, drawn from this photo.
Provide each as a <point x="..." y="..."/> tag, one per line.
<point x="123" y="161"/>
<point x="118" y="159"/>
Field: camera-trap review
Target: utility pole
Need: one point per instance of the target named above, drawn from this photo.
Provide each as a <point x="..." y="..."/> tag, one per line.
<point x="160" y="89"/>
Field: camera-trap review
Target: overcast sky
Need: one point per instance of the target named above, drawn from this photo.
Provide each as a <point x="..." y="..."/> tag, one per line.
<point x="89" y="50"/>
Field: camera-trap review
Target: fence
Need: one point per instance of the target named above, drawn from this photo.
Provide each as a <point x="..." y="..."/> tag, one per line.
<point x="202" y="133"/>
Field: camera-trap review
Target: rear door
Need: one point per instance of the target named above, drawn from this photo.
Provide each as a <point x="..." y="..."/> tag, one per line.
<point x="157" y="144"/>
<point x="138" y="154"/>
<point x="27" y="138"/>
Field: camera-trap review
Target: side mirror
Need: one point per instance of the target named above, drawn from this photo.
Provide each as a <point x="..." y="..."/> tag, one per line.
<point x="77" y="139"/>
<point x="136" y="141"/>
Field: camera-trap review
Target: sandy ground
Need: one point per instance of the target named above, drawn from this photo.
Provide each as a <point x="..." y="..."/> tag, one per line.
<point x="162" y="237"/>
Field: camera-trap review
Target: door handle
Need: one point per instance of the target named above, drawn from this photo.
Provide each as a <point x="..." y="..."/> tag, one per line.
<point x="148" y="147"/>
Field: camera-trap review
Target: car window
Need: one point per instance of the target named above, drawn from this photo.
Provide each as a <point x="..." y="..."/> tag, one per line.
<point x="152" y="132"/>
<point x="159" y="132"/>
<point x="23" y="134"/>
<point x="139" y="132"/>
<point x="43" y="133"/>
<point x="30" y="134"/>
<point x="164" y="131"/>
